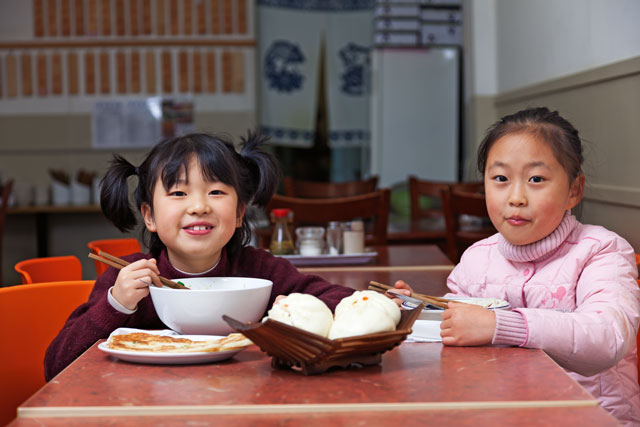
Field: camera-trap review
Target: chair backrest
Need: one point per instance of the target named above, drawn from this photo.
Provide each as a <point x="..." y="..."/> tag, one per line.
<point x="49" y="269"/>
<point x="32" y="317"/>
<point x="319" y="190"/>
<point x="4" y="205"/>
<point x="373" y="205"/>
<point x="456" y="203"/>
<point x="421" y="187"/>
<point x="115" y="247"/>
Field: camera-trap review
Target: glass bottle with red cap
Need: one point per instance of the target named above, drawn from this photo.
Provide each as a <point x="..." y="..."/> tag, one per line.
<point x="281" y="241"/>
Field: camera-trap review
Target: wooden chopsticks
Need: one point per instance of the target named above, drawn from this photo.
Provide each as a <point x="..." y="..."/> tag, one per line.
<point x="429" y="299"/>
<point x="118" y="263"/>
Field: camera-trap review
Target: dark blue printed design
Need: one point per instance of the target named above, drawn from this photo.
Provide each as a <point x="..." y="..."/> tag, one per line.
<point x="281" y="66"/>
<point x="290" y="133"/>
<point x="355" y="60"/>
<point x="349" y="135"/>
<point x="321" y="5"/>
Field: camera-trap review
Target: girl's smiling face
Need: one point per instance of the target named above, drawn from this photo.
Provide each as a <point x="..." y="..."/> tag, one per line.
<point x="194" y="218"/>
<point x="527" y="189"/>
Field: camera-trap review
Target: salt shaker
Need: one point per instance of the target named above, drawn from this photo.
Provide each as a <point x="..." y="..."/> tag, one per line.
<point x="334" y="238"/>
<point x="353" y="237"/>
<point x="310" y="240"/>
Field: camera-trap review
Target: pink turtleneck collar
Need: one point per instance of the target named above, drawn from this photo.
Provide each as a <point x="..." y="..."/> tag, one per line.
<point x="543" y="248"/>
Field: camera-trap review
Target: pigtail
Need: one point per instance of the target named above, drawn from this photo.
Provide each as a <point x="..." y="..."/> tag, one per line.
<point x="263" y="167"/>
<point x="114" y="194"/>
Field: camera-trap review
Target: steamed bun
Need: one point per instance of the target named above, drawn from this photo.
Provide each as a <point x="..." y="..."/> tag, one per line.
<point x="364" y="312"/>
<point x="303" y="311"/>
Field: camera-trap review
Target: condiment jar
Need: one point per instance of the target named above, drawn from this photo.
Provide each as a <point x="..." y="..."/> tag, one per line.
<point x="310" y="240"/>
<point x="281" y="241"/>
<point x="353" y="237"/>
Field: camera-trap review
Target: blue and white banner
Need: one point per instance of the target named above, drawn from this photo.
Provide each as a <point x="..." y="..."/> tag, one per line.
<point x="349" y="38"/>
<point x="290" y="37"/>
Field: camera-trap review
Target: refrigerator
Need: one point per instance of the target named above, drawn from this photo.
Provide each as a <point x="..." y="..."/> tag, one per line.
<point x="415" y="114"/>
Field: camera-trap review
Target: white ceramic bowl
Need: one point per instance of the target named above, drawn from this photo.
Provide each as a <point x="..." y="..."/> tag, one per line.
<point x="199" y="310"/>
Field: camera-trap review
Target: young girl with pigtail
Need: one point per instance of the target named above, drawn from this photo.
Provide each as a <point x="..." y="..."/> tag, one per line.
<point x="192" y="194"/>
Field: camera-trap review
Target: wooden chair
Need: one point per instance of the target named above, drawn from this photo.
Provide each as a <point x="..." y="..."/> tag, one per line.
<point x="456" y="203"/>
<point x="420" y="187"/>
<point x="34" y="314"/>
<point x="317" y="190"/>
<point x="115" y="247"/>
<point x="4" y="205"/>
<point x="49" y="269"/>
<point x="371" y="206"/>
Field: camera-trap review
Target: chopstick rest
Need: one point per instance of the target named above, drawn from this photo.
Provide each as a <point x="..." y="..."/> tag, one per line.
<point x="118" y="263"/>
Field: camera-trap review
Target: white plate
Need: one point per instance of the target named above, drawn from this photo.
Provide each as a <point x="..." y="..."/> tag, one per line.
<point x="326" y="259"/>
<point x="168" y="358"/>
<point x="425" y="331"/>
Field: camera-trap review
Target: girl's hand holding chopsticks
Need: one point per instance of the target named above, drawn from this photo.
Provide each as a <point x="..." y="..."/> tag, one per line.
<point x="400" y="287"/>
<point x="132" y="283"/>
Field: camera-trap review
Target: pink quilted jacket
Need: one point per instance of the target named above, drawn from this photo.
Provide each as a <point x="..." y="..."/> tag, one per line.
<point x="574" y="295"/>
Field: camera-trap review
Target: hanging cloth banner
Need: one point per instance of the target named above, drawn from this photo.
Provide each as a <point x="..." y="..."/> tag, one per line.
<point x="290" y="34"/>
<point x="289" y="51"/>
<point x="348" y="72"/>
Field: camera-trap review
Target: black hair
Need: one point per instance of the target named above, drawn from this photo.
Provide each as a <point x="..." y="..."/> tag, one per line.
<point x="550" y="126"/>
<point x="252" y="172"/>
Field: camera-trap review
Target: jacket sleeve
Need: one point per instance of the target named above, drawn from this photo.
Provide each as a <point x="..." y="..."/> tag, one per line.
<point x="287" y="279"/>
<point x="603" y="328"/>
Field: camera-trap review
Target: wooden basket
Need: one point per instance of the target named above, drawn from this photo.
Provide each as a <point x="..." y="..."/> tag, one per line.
<point x="309" y="353"/>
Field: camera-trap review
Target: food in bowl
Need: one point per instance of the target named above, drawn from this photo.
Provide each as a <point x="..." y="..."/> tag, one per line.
<point x="199" y="310"/>
<point x="303" y="311"/>
<point x="364" y="312"/>
<point x="435" y="313"/>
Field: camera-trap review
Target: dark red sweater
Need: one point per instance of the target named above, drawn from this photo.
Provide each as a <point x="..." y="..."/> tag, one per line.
<point x="96" y="318"/>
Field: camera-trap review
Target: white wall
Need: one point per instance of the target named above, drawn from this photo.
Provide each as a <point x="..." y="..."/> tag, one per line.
<point x="544" y="39"/>
<point x="480" y="47"/>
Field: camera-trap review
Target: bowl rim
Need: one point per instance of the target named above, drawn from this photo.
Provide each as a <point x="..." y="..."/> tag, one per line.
<point x="262" y="283"/>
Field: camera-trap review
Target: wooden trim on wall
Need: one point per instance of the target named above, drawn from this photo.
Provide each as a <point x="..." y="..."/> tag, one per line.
<point x="613" y="194"/>
<point x="617" y="70"/>
<point x="156" y="42"/>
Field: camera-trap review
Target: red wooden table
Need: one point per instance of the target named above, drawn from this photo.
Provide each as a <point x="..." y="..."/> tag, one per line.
<point x="415" y="378"/>
<point x="584" y="416"/>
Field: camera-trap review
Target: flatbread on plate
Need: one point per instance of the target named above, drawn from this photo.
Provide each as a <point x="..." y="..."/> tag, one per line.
<point x="142" y="341"/>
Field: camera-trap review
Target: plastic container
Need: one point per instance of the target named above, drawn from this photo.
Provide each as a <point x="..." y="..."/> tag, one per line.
<point x="310" y="240"/>
<point x="353" y="237"/>
<point x="281" y="241"/>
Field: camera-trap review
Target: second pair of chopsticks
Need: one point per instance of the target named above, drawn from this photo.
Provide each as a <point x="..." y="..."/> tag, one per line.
<point x="118" y="263"/>
<point x="429" y="299"/>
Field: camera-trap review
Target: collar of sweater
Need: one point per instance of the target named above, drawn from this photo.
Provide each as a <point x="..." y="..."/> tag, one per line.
<point x="164" y="263"/>
<point x="543" y="248"/>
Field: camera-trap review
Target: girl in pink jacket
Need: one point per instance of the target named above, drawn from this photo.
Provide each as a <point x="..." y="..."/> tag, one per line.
<point x="572" y="286"/>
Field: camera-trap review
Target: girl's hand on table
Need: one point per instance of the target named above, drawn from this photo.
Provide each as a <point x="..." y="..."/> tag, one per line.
<point x="130" y="286"/>
<point x="467" y="325"/>
<point x="401" y="287"/>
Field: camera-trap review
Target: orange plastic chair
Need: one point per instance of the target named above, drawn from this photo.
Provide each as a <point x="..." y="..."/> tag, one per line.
<point x="33" y="315"/>
<point x="49" y="269"/>
<point x="115" y="247"/>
